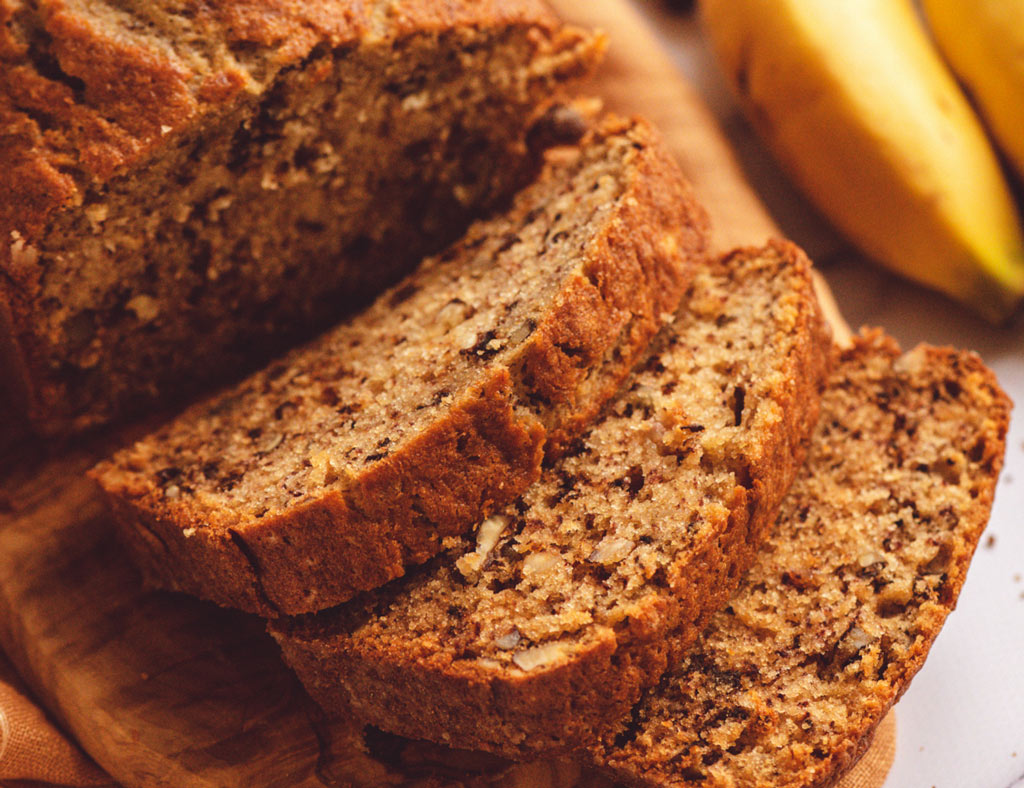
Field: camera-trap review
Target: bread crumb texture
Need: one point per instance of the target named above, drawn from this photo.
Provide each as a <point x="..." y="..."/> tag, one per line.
<point x="866" y="561"/>
<point x="541" y="629"/>
<point x="740" y="713"/>
<point x="191" y="187"/>
<point x="337" y="466"/>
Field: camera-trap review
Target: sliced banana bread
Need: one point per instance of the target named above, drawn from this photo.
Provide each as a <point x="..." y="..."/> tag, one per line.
<point x="190" y="186"/>
<point x="839" y="611"/>
<point x="333" y="469"/>
<point x="541" y="630"/>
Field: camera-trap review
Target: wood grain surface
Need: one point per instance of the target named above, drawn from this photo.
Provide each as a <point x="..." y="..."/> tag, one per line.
<point x="163" y="690"/>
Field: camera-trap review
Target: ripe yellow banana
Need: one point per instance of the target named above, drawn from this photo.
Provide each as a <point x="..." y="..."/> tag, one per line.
<point x="983" y="40"/>
<point x="857" y="104"/>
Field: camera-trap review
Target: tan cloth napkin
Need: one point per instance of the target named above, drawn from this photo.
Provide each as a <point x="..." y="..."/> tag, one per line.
<point x="32" y="750"/>
<point x="873" y="767"/>
<point x="638" y="77"/>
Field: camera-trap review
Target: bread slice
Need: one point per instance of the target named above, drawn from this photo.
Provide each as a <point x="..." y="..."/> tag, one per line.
<point x="189" y="187"/>
<point x="839" y="611"/>
<point x="332" y="470"/>
<point x="542" y="630"/>
<point x="933" y="404"/>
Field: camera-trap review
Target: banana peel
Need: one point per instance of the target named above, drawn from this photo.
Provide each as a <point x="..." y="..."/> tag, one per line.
<point x="983" y="41"/>
<point x="859" y="107"/>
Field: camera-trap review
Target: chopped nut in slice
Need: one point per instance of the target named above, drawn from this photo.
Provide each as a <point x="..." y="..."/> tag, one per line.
<point x="539" y="564"/>
<point x="611" y="550"/>
<point x="540" y="656"/>
<point x="486" y="538"/>
<point x="508" y="641"/>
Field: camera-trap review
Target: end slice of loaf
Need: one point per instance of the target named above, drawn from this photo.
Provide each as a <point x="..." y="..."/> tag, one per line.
<point x="542" y="630"/>
<point x="190" y="188"/>
<point x="335" y="468"/>
<point x="837" y="615"/>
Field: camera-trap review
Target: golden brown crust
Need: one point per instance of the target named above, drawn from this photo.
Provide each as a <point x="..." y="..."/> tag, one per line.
<point x="15" y="393"/>
<point x="483" y="453"/>
<point x="113" y="97"/>
<point x="626" y="296"/>
<point x="407" y="686"/>
<point x="733" y="717"/>
<point x="390" y="518"/>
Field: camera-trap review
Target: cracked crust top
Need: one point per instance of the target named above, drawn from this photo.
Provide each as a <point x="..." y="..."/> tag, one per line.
<point x="87" y="94"/>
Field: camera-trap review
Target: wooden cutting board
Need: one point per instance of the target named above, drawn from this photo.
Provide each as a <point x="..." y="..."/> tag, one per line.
<point x="162" y="690"/>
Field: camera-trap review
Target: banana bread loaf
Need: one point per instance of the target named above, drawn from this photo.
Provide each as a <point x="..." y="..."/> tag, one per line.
<point x="541" y="630"/>
<point x="189" y="187"/>
<point x="333" y="469"/>
<point x="838" y="613"/>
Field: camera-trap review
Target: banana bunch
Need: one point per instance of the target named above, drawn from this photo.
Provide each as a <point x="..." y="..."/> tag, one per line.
<point x="983" y="40"/>
<point x="859" y="106"/>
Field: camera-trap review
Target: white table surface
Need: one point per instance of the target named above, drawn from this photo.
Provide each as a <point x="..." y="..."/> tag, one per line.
<point x="961" y="724"/>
